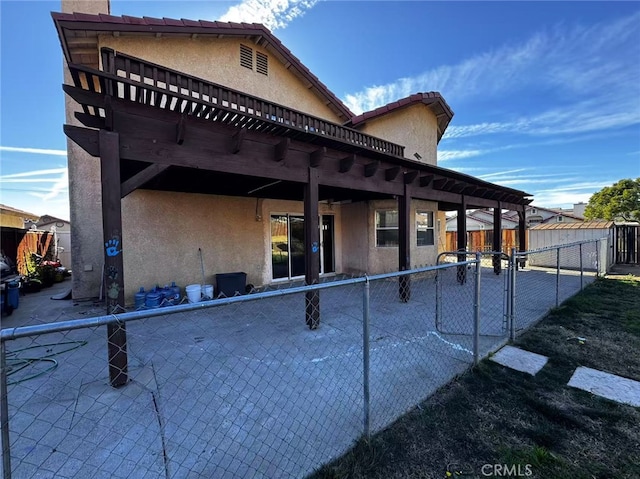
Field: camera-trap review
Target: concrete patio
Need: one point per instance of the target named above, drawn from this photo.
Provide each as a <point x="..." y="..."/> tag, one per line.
<point x="246" y="390"/>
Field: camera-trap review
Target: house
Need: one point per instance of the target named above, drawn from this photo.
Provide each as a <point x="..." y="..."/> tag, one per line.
<point x="15" y="218"/>
<point x="62" y="236"/>
<point x="538" y="215"/>
<point x="480" y="231"/>
<point x="193" y="136"/>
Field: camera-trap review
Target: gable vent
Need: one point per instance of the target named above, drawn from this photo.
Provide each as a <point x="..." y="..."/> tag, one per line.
<point x="246" y="57"/>
<point x="262" y="63"/>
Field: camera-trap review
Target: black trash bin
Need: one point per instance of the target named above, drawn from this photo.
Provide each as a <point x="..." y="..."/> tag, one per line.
<point x="230" y="284"/>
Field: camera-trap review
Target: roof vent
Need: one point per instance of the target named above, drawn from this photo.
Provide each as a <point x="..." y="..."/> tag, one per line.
<point x="246" y="57"/>
<point x="262" y="63"/>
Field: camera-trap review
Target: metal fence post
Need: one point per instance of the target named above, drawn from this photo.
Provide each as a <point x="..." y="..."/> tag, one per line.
<point x="4" y="413"/>
<point x="512" y="294"/>
<point x="365" y="359"/>
<point x="581" y="270"/>
<point x="476" y="312"/>
<point x="557" y="277"/>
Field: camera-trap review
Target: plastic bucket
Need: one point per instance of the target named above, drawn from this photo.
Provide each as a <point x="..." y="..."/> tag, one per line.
<point x="194" y="292"/>
<point x="139" y="298"/>
<point x="207" y="291"/>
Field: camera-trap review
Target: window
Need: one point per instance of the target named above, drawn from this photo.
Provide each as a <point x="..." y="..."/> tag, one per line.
<point x="246" y="57"/>
<point x="559" y="219"/>
<point x="425" y="229"/>
<point x="386" y="228"/>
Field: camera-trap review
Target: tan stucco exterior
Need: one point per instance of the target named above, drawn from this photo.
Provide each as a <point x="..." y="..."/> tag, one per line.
<point x="415" y="127"/>
<point x="162" y="231"/>
<point x="218" y="60"/>
<point x="361" y="255"/>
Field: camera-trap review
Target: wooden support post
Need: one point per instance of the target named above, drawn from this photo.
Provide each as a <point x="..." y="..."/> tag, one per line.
<point x="113" y="264"/>
<point x="404" y="244"/>
<point x="522" y="234"/>
<point x="497" y="238"/>
<point x="312" y="249"/>
<point x="462" y="240"/>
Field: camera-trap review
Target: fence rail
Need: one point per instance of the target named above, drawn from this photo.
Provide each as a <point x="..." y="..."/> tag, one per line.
<point x="238" y="386"/>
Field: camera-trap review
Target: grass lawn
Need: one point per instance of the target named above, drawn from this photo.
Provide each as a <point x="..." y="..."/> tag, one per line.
<point x="537" y="427"/>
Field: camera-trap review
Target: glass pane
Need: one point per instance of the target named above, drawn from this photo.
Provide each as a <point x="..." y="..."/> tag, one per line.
<point x="424" y="219"/>
<point x="386" y="219"/>
<point x="387" y="237"/>
<point x="279" y="246"/>
<point x="425" y="237"/>
<point x="296" y="246"/>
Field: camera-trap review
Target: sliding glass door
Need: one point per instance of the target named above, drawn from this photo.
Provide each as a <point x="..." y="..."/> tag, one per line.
<point x="287" y="246"/>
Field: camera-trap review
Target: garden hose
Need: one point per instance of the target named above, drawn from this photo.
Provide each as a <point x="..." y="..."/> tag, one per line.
<point x="16" y="364"/>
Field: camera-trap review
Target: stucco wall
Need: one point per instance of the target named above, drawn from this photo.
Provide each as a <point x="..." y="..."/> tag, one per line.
<point x="385" y="259"/>
<point x="355" y="237"/>
<point x="163" y="231"/>
<point x="361" y="255"/>
<point x="8" y="220"/>
<point x="218" y="60"/>
<point x="415" y="127"/>
<point x="85" y="198"/>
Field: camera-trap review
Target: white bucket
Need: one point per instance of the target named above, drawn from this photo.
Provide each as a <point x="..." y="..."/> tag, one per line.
<point x="207" y="291"/>
<point x="194" y="291"/>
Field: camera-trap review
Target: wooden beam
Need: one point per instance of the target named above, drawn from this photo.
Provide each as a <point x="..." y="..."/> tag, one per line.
<point x="139" y="179"/>
<point x="439" y="183"/>
<point x="371" y="168"/>
<point x="347" y="163"/>
<point x="448" y="185"/>
<point x="316" y="157"/>
<point x="90" y="120"/>
<point x="497" y="238"/>
<point x="409" y="176"/>
<point x="312" y="249"/>
<point x="390" y="174"/>
<point x="458" y="187"/>
<point x="461" y="273"/>
<point x="237" y="140"/>
<point x="282" y="149"/>
<point x="180" y="130"/>
<point x="85" y="138"/>
<point x="404" y="244"/>
<point x="425" y="180"/>
<point x="469" y="190"/>
<point x="113" y="247"/>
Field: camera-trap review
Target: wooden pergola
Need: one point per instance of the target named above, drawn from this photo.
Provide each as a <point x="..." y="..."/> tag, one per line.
<point x="157" y="128"/>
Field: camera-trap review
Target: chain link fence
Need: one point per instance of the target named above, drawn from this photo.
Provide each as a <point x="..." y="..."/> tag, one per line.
<point x="241" y="387"/>
<point x="546" y="277"/>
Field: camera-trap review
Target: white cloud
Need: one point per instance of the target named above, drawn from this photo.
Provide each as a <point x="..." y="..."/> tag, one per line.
<point x="37" y="151"/>
<point x="273" y="14"/>
<point x="591" y="71"/>
<point x="448" y="155"/>
<point x="51" y="171"/>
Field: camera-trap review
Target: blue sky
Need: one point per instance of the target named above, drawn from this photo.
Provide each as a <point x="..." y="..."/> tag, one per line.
<point x="546" y="95"/>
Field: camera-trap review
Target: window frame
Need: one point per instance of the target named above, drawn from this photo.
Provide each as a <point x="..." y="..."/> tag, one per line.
<point x="432" y="228"/>
<point x="386" y="228"/>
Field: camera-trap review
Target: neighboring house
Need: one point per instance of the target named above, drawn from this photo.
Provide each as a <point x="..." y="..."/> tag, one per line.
<point x="213" y="136"/>
<point x="538" y="215"/>
<point x="480" y="231"/>
<point x="15" y="218"/>
<point x="62" y="230"/>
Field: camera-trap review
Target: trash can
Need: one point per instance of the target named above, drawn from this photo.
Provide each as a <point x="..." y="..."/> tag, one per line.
<point x="13" y="294"/>
<point x="231" y="284"/>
